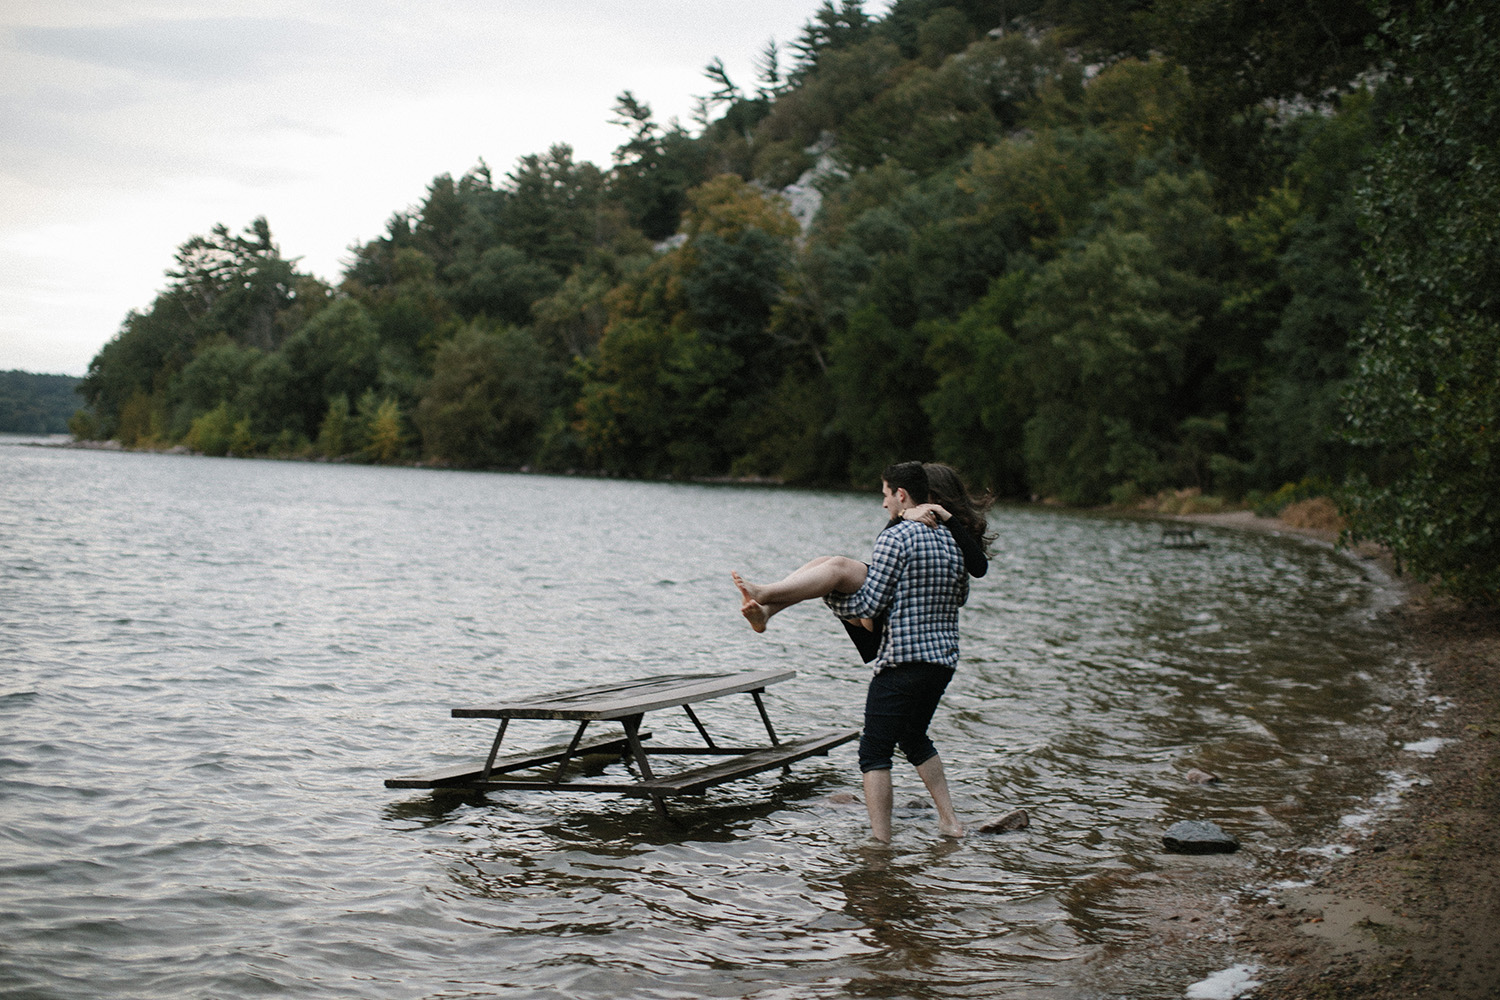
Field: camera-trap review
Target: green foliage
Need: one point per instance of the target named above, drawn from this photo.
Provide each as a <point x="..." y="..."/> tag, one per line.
<point x="1110" y="332"/>
<point x="1424" y="400"/>
<point x="36" y="404"/>
<point x="878" y="377"/>
<point x="84" y="426"/>
<point x="237" y="286"/>
<point x="338" y="433"/>
<point x="980" y="402"/>
<point x="488" y="399"/>
<point x="654" y="169"/>
<point x="1112" y="255"/>
<point x="336" y="353"/>
<point x="385" y="435"/>
<point x="213" y="378"/>
<point x="654" y="402"/>
<point x="1301" y="282"/>
<point x="212" y="433"/>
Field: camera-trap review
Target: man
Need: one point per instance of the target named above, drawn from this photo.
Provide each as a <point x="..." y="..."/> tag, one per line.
<point x="917" y="580"/>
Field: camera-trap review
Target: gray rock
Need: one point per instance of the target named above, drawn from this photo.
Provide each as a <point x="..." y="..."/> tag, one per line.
<point x="1198" y="776"/>
<point x="1198" y="836"/>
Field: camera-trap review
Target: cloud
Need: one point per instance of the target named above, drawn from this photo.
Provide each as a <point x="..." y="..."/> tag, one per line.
<point x="130" y="125"/>
<point x="196" y="50"/>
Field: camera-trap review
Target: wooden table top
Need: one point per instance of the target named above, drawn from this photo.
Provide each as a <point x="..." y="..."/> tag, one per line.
<point x="625" y="698"/>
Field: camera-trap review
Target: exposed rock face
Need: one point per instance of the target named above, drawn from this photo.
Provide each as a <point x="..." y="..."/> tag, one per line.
<point x="1198" y="837"/>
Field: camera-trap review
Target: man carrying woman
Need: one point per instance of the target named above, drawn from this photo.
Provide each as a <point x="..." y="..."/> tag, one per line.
<point x="916" y="581"/>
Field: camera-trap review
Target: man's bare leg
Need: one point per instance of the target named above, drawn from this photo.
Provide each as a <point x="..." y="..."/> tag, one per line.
<point x="878" y="799"/>
<point x="932" y="775"/>
<point x="823" y="575"/>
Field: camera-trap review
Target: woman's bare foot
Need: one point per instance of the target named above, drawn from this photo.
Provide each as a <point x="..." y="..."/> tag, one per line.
<point x="748" y="591"/>
<point x="755" y="613"/>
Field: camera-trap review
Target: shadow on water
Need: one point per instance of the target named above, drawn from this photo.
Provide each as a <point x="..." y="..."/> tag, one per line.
<point x="622" y="821"/>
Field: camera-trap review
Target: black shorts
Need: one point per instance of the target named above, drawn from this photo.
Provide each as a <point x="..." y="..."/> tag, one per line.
<point x="898" y="707"/>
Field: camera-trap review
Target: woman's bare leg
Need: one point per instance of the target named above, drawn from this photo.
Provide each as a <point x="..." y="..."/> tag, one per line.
<point x="815" y="578"/>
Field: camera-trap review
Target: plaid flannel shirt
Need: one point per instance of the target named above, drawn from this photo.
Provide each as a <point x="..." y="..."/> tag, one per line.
<point x="917" y="576"/>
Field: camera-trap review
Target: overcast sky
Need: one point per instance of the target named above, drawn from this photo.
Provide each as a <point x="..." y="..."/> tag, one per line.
<point x="128" y="126"/>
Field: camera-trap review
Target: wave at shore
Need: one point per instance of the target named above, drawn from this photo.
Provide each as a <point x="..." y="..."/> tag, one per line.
<point x="1403" y="901"/>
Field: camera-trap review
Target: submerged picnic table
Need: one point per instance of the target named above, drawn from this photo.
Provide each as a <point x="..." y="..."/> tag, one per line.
<point x="627" y="703"/>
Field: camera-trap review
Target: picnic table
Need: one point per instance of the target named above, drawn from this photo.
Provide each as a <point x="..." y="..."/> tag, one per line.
<point x="627" y="703"/>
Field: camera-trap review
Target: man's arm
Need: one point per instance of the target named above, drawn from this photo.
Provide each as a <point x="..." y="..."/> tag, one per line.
<point x="873" y="598"/>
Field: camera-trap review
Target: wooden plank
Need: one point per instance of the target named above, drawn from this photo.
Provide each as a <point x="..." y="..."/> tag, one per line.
<point x="698" y="779"/>
<point x="465" y="775"/>
<point x="615" y="701"/>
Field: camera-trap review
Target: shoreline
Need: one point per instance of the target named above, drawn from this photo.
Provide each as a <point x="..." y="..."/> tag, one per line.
<point x="1410" y="901"/>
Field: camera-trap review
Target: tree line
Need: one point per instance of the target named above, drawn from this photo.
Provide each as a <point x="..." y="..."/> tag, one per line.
<point x="1087" y="250"/>
<point x="36" y="404"/>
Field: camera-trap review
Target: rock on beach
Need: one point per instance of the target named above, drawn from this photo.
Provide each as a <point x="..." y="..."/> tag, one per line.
<point x="1198" y="836"/>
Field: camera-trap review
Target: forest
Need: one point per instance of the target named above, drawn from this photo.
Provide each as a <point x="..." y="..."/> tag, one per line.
<point x="1087" y="251"/>
<point x="36" y="404"/>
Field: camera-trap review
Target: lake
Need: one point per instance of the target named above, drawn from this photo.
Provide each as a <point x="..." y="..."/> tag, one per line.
<point x="208" y="667"/>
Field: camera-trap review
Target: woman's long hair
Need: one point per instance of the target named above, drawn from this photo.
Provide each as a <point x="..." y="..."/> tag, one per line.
<point x="946" y="487"/>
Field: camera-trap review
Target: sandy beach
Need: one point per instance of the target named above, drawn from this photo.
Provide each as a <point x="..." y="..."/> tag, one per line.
<point x="1411" y="905"/>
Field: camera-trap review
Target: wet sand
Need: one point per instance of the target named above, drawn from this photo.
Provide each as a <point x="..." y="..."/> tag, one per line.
<point x="1413" y="907"/>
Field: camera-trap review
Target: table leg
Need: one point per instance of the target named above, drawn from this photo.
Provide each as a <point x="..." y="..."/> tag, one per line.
<point x="764" y="717"/>
<point x="489" y="761"/>
<point x="562" y="765"/>
<point x="632" y="724"/>
<point x="707" y="739"/>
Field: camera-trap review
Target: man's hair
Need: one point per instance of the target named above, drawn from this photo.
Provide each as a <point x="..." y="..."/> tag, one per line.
<point x="909" y="476"/>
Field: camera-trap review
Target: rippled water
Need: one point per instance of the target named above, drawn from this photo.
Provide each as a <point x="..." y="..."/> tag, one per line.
<point x="207" y="667"/>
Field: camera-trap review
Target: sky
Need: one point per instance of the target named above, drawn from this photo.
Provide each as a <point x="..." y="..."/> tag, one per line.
<point x="129" y="126"/>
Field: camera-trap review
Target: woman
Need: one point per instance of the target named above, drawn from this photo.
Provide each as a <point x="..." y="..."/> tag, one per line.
<point x="948" y="502"/>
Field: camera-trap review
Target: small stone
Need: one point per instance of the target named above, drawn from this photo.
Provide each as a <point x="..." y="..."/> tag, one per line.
<point x="1198" y="776"/>
<point x="1198" y="837"/>
<point x="844" y="798"/>
<point x="1016" y="819"/>
<point x="917" y="804"/>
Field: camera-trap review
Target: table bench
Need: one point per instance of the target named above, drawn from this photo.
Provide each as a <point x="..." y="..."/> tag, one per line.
<point x="627" y="703"/>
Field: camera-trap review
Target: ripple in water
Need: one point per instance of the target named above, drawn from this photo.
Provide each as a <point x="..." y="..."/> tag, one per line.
<point x="211" y="665"/>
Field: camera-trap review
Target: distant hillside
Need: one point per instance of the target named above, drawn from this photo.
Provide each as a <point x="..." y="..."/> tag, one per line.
<point x="36" y="404"/>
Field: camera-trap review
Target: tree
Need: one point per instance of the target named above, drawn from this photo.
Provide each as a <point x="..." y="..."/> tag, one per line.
<point x="336" y="434"/>
<point x="833" y="27"/>
<point x="653" y="169"/>
<point x="134" y="367"/>
<point x="1107" y="338"/>
<point x="655" y="402"/>
<point x="337" y="353"/>
<point x="236" y="285"/>
<point x="878" y="377"/>
<point x="1424" y="402"/>
<point x="488" y="398"/>
<point x="36" y="404"/>
<point x="385" y="438"/>
<point x="980" y="401"/>
<point x="1297" y="293"/>
<point x="215" y="376"/>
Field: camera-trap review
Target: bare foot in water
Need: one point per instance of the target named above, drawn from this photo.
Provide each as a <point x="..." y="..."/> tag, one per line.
<point x="754" y="612"/>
